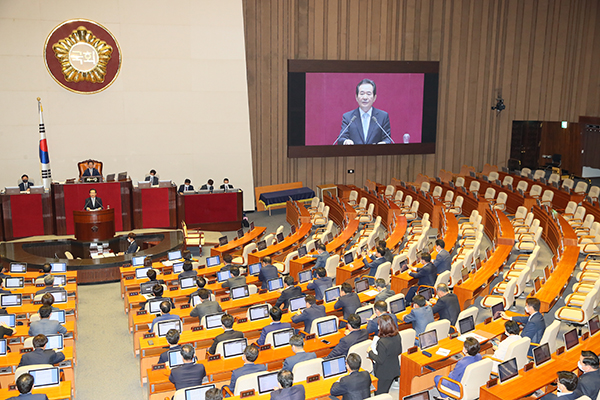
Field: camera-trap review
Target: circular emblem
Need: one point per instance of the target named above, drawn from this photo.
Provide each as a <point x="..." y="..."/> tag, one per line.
<point x="82" y="56"/>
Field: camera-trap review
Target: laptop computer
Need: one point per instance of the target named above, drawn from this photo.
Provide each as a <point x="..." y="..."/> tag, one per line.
<point x="332" y="294"/>
<point x="55" y="342"/>
<point x="268" y="382"/>
<point x="154" y="306"/>
<point x="60" y="280"/>
<point x="187" y="282"/>
<point x="175" y="358"/>
<point x="466" y="327"/>
<point x="18" y="268"/>
<point x="293" y="229"/>
<point x="348" y="258"/>
<point x="282" y="338"/>
<point x="14" y="282"/>
<point x="261" y="245"/>
<point x="258" y="312"/>
<point x="11" y="300"/>
<point x="593" y="325"/>
<point x="333" y="367"/>
<point x="60" y="296"/>
<point x="223" y="241"/>
<point x="327" y="327"/>
<point x="397" y="305"/>
<point x="254" y="269"/>
<point x="235" y="348"/>
<point x="541" y="354"/>
<point x="58" y="267"/>
<point x="302" y="251"/>
<point x="365" y="315"/>
<point x="508" y="370"/>
<point x="304" y="276"/>
<point x="280" y="237"/>
<point x="424" y="395"/>
<point x="361" y="285"/>
<point x="137" y="261"/>
<point x="198" y="392"/>
<point x="275" y="284"/>
<point x="213" y="321"/>
<point x="213" y="261"/>
<point x="141" y="273"/>
<point x="297" y="303"/>
<point x="428" y="339"/>
<point x="239" y="292"/>
<point x="45" y="377"/>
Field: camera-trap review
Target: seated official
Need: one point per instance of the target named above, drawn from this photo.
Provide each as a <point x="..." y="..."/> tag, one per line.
<point x="172" y="337"/>
<point x="356" y="385"/>
<point x="287" y="391"/>
<point x="151" y="274"/>
<point x="206" y="306"/>
<point x="322" y="283"/>
<point x="48" y="300"/>
<point x="355" y="335"/>
<point x="90" y="171"/>
<point x="589" y="381"/>
<point x="165" y="314"/>
<point x="157" y="292"/>
<point x="310" y="313"/>
<point x="152" y="178"/>
<point x="267" y="272"/>
<point x="511" y="330"/>
<point x="297" y="343"/>
<point x="443" y="260"/>
<point x="132" y="246"/>
<point x="201" y="283"/>
<point x="471" y="354"/>
<point x="567" y="382"/>
<point x="208" y="185"/>
<point x="186" y="187"/>
<point x="24" y="385"/>
<point x="348" y="301"/>
<point x="93" y="203"/>
<point x="383" y="289"/>
<point x="374" y="265"/>
<point x="49" y="288"/>
<point x="534" y="325"/>
<point x="321" y="257"/>
<point x="420" y="315"/>
<point x="45" y="325"/>
<point x="235" y="280"/>
<point x="227" y="323"/>
<point x="40" y="355"/>
<point x="46" y="270"/>
<point x="25" y="184"/>
<point x="447" y="305"/>
<point x="250" y="367"/>
<point x="226" y="184"/>
<point x="190" y="373"/>
<point x="276" y="325"/>
<point x="227" y="259"/>
<point x="188" y="270"/>
<point x="380" y="308"/>
<point x="290" y="290"/>
<point x="427" y="275"/>
<point x="387" y="253"/>
<point x="5" y="331"/>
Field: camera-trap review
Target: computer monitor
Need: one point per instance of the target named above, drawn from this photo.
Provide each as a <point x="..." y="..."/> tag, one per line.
<point x="571" y="339"/>
<point x="195" y="300"/>
<point x="174" y="255"/>
<point x="403" y="265"/>
<point x="361" y="285"/>
<point x="166" y="326"/>
<point x="547" y="272"/>
<point x="334" y="366"/>
<point x="254" y="269"/>
<point x="198" y="392"/>
<point x="258" y="312"/>
<point x="428" y="339"/>
<point x="234" y="348"/>
<point x="280" y="237"/>
<point x="327" y="327"/>
<point x="302" y="251"/>
<point x="13" y="282"/>
<point x="58" y="315"/>
<point x="178" y="268"/>
<point x="293" y="229"/>
<point x="137" y="261"/>
<point x="2" y="347"/>
<point x="240" y="233"/>
<point x="424" y="395"/>
<point x="541" y="354"/>
<point x="282" y="337"/>
<point x="268" y="382"/>
<point x="45" y="377"/>
<point x="187" y="282"/>
<point x="154" y="306"/>
<point x="397" y="305"/>
<point x="223" y="241"/>
<point x="426" y="292"/>
<point x="18" y="268"/>
<point x="297" y="303"/>
<point x="223" y="275"/>
<point x="465" y="273"/>
<point x="9" y="320"/>
<point x="304" y="276"/>
<point x="348" y="257"/>
<point x="60" y="296"/>
<point x="275" y="284"/>
<point x="60" y="280"/>
<point x="593" y="325"/>
<point x="141" y="273"/>
<point x="252" y="225"/>
<point x="261" y="245"/>
<point x="329" y="237"/>
<point x="175" y="358"/>
<point x="213" y="261"/>
<point x="213" y="321"/>
<point x="508" y="370"/>
<point x="537" y="284"/>
<point x="59" y="267"/>
<point x="332" y="294"/>
<point x="239" y="292"/>
<point x="497" y="310"/>
<point x="146" y="287"/>
<point x="365" y="315"/>
<point x="466" y="324"/>
<point x="11" y="300"/>
<point x="55" y="342"/>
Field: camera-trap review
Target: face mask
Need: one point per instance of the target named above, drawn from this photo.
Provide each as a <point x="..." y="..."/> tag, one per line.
<point x="580" y="365"/>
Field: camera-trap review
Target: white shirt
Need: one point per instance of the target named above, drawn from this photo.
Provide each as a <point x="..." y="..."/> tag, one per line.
<point x="500" y="352"/>
<point x="365" y="117"/>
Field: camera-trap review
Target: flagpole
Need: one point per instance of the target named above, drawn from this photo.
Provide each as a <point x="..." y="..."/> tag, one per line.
<point x="44" y="158"/>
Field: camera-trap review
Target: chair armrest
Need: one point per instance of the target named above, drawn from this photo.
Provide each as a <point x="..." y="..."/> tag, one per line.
<point x="443" y="391"/>
<point x="590" y="244"/>
<point x="224" y="390"/>
<point x="494" y="359"/>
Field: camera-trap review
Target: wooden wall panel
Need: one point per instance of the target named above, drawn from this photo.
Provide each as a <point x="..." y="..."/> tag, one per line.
<point x="541" y="55"/>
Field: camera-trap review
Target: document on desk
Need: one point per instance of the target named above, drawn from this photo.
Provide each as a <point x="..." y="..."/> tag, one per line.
<point x="371" y="292"/>
<point x="443" y="352"/>
<point x="479" y="338"/>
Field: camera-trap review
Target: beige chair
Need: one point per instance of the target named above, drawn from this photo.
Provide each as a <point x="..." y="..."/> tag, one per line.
<point x="525" y="172"/>
<point x="522" y="185"/>
<point x="535" y="191"/>
<point x="247" y="382"/>
<point x="393" y="298"/>
<point x="284" y="268"/>
<point x="507" y="298"/>
<point x="413" y="212"/>
<point x="389" y="191"/>
<point x="269" y="337"/>
<point x="490" y="194"/>
<point x="321" y="233"/>
<point x="313" y="326"/>
<point x="448" y="197"/>
<point x="243" y="260"/>
<point x="460" y="182"/>
<point x="594" y="193"/>
<point x="321" y="218"/>
<point x="364" y="217"/>
<point x="352" y="198"/>
<point x="538" y="174"/>
<point x="517" y="349"/>
<point x="304" y="369"/>
<point x="568" y="184"/>
<point x="508" y="180"/>
<point x="547" y="198"/>
<point x="192" y="237"/>
<point x="398" y="197"/>
<point x="425" y="187"/>
<point x="501" y="201"/>
<point x="526" y="242"/>
<point x="471" y="311"/>
<point x="444" y="278"/>
<point x="456" y="273"/>
<point x="383" y="272"/>
<point x="576" y="315"/>
<point x="475" y="376"/>
<point x="550" y="335"/>
<point x="456" y="208"/>
<point x="396" y="262"/>
<point x="554" y="178"/>
<point x="26" y="368"/>
<point x="437" y="192"/>
<point x="441" y="327"/>
<point x="386" y="396"/>
<point x="362" y="205"/>
<point x="361" y="349"/>
<point x="474" y="186"/>
<point x="331" y="265"/>
<point x="493" y="176"/>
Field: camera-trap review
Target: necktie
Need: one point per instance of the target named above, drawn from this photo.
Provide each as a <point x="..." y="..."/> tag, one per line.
<point x="365" y="124"/>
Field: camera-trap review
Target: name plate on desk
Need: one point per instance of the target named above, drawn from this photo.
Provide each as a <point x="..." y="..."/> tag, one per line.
<point x="528" y="366"/>
<point x="247" y="393"/>
<point x="242" y="320"/>
<point x="560" y="350"/>
<point x="262" y="291"/>
<point x="167" y="273"/>
<point x="27" y="350"/>
<point x="197" y="328"/>
<point x="313" y="378"/>
<point x="184" y="306"/>
<point x="585" y="336"/>
<point x="40" y="285"/>
<point x="487" y="320"/>
<point x="491" y="383"/>
<point x="201" y="266"/>
<point x="158" y="366"/>
<point x="310" y="337"/>
<point x="142" y="312"/>
<point x="212" y="282"/>
<point x="215" y="357"/>
<point x="412" y="350"/>
<point x="37" y="302"/>
<point x="129" y="277"/>
<point x="149" y="335"/>
<point x="173" y="288"/>
<point x="12" y="387"/>
<point x="265" y="347"/>
<point x="133" y="293"/>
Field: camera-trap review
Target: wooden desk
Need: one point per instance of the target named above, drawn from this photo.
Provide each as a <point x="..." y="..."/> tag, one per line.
<point x="27" y="215"/>
<point x="94" y="226"/>
<point x="238" y="243"/>
<point x="60" y="392"/>
<point x="155" y="207"/>
<point x="31" y="275"/>
<point x="212" y="212"/>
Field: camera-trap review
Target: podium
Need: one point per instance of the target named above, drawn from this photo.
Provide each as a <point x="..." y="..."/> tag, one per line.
<point x="94" y="226"/>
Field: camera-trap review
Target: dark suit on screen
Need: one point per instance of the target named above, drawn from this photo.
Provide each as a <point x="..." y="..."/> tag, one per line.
<point x="348" y="341"/>
<point x="355" y="129"/>
<point x="448" y="308"/>
<point x="41" y="356"/>
<point x="95" y="206"/>
<point x="187" y="375"/>
<point x="308" y="315"/>
<point x="356" y="386"/>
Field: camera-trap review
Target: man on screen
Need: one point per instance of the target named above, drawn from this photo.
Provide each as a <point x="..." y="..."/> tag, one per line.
<point x="93" y="202"/>
<point x="366" y="124"/>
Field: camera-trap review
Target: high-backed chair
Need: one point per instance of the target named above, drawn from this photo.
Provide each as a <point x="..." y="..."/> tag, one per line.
<point x="568" y="184"/>
<point x="554" y="178"/>
<point x="501" y="201"/>
<point x="398" y="197"/>
<point x="304" y="369"/>
<point x="457" y="207"/>
<point x="507" y="298"/>
<point x="284" y="268"/>
<point x="331" y="265"/>
<point x="538" y="174"/>
<point x="437" y="192"/>
<point x="26" y="368"/>
<point x="474" y="186"/>
<point x="83" y="165"/>
<point x="321" y="218"/>
<point x="361" y="349"/>
<point x="475" y="376"/>
<point x="444" y="278"/>
<point x="352" y="198"/>
<point x="525" y="172"/>
<point x="576" y="315"/>
<point x="313" y="326"/>
<point x="425" y="186"/>
<point x="535" y="191"/>
<point x="219" y="349"/>
<point x="594" y="193"/>
<point x="243" y="260"/>
<point x="389" y="191"/>
<point x="522" y="185"/>
<point x="460" y="182"/>
<point x="508" y="180"/>
<point x="396" y="262"/>
<point x="490" y="194"/>
<point x="471" y="311"/>
<point x="517" y="349"/>
<point x="493" y="176"/>
<point x="550" y="335"/>
<point x="547" y="198"/>
<point x="441" y="327"/>
<point x="247" y="382"/>
<point x="192" y="237"/>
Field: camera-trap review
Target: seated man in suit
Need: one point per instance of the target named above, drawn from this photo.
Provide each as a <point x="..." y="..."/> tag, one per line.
<point x="24" y="385"/>
<point x="49" y="288"/>
<point x="25" y="184"/>
<point x="235" y="280"/>
<point x="310" y="313"/>
<point x="40" y="355"/>
<point x="93" y="202"/>
<point x="380" y="308"/>
<point x="287" y="391"/>
<point x="173" y="340"/>
<point x="321" y="257"/>
<point x="426" y="275"/>
<point x="300" y="355"/>
<point x="267" y="272"/>
<point x="5" y="331"/>
<point x="356" y="385"/>
<point x="45" y="325"/>
<point x="2" y="290"/>
<point x="151" y="274"/>
<point x="46" y="270"/>
<point x="383" y="289"/>
<point x="373" y="265"/>
<point x="227" y="323"/>
<point x="208" y="185"/>
<point x="206" y="306"/>
<point x="186" y="187"/>
<point x="132" y="246"/>
<point x="227" y="259"/>
<point x="566" y="385"/>
<point x="534" y="324"/>
<point x="589" y="382"/>
<point x="189" y="373"/>
<point x="348" y="302"/>
<point x="355" y="335"/>
<point x="165" y="315"/>
<point x="443" y="260"/>
<point x="420" y="315"/>
<point x="201" y="283"/>
<point x="322" y="283"/>
<point x="290" y="290"/>
<point x="188" y="270"/>
<point x="447" y="304"/>
<point x="226" y="185"/>
<point x="152" y="178"/>
<point x="249" y="357"/>
<point x="90" y="171"/>
<point x="471" y="354"/>
<point x="387" y="253"/>
<point x="276" y="325"/>
<point x="213" y="394"/>
<point x="157" y="293"/>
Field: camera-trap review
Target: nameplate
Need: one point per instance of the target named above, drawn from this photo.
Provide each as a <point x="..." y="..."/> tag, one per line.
<point x="129" y="277"/>
<point x="173" y="288"/>
<point x="247" y="393"/>
<point x="242" y="320"/>
<point x="37" y="302"/>
<point x="201" y="266"/>
<point x="158" y="366"/>
<point x="262" y="291"/>
<point x="313" y="378"/>
<point x="319" y="302"/>
<point x="411" y="350"/>
<point x="149" y="335"/>
<point x="215" y="357"/>
<point x="27" y="350"/>
<point x="12" y="387"/>
<point x="133" y="293"/>
<point x="487" y="320"/>
<point x="491" y="383"/>
<point x="224" y="299"/>
<point x="454" y="335"/>
<point x="142" y="312"/>
<point x="310" y="337"/>
<point x="197" y="328"/>
<point x="167" y="272"/>
<point x="40" y="285"/>
<point x="560" y="350"/>
<point x="212" y="282"/>
<point x="528" y="366"/>
<point x="184" y="306"/>
<point x="585" y="336"/>
<point x="265" y="347"/>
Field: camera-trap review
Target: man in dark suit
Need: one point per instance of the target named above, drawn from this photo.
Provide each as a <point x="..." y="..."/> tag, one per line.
<point x="45" y="325"/>
<point x="443" y="260"/>
<point x="201" y="283"/>
<point x="420" y="315"/>
<point x="383" y="289"/>
<point x="93" y="202"/>
<point x="90" y="171"/>
<point x="310" y="313"/>
<point x="289" y="292"/>
<point x="226" y="185"/>
<point x="49" y="288"/>
<point x="322" y="283"/>
<point x="206" y="306"/>
<point x="24" y="385"/>
<point x="152" y="178"/>
<point x="321" y="258"/>
<point x="447" y="305"/>
<point x="387" y="253"/>
<point x="189" y="373"/>
<point x="132" y="246"/>
<point x="40" y="355"/>
<point x="188" y="270"/>
<point x="374" y="264"/>
<point x="356" y="385"/>
<point x="235" y="280"/>
<point x="348" y="301"/>
<point x="173" y="340"/>
<point x="589" y="382"/>
<point x="356" y="335"/>
<point x="267" y="272"/>
<point x="227" y="322"/>
<point x="276" y="325"/>
<point x="165" y="310"/>
<point x="426" y="275"/>
<point x="380" y="308"/>
<point x="186" y="187"/>
<point x="365" y="124"/>
<point x="567" y="382"/>
<point x="25" y="184"/>
<point x="208" y="185"/>
<point x="300" y="355"/>
<point x="249" y="357"/>
<point x="287" y="391"/>
<point x="534" y="325"/>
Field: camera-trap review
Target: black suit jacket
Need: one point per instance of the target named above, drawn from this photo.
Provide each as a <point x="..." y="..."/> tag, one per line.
<point x="308" y="315"/>
<point x="206" y="187"/>
<point x="88" y="203"/>
<point x="426" y="275"/>
<point x="292" y="393"/>
<point x="152" y="179"/>
<point x="534" y="326"/>
<point x="94" y="172"/>
<point x="132" y="248"/>
<point x="348" y="341"/>
<point x="182" y="188"/>
<point x="187" y="375"/>
<point x="448" y="308"/>
<point x="227" y="335"/>
<point x="356" y="386"/>
<point x="229" y="186"/>
<point x="30" y="396"/>
<point x="348" y="303"/>
<point x="287" y="294"/>
<point x="24" y="186"/>
<point x="386" y="364"/>
<point x="40" y="356"/>
<point x="355" y="128"/>
<point x="588" y="385"/>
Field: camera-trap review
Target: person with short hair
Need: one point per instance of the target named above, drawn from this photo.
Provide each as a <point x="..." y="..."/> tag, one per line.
<point x="297" y="344"/>
<point x="249" y="357"/>
<point x="420" y="315"/>
<point x="426" y="275"/>
<point x="355" y="335"/>
<point x="275" y="325"/>
<point x="49" y="288"/>
<point x="48" y="300"/>
<point x="25" y="184"/>
<point x="534" y="324"/>
<point x="157" y="293"/>
<point x="511" y="330"/>
<point x="471" y="355"/>
<point x="206" y="306"/>
<point x="443" y="259"/>
<point x="355" y="385"/>
<point x="386" y="366"/>
<point x="45" y="325"/>
<point x="227" y="323"/>
<point x="151" y="274"/>
<point x="321" y="258"/>
<point x="348" y="302"/>
<point x="93" y="202"/>
<point x="227" y="259"/>
<point x="133" y="246"/>
<point x="589" y="381"/>
<point x="310" y="313"/>
<point x="209" y="185"/>
<point x="567" y="383"/>
<point x="186" y="187"/>
<point x="46" y="270"/>
<point x="322" y="283"/>
<point x="152" y="178"/>
<point x="188" y="270"/>
<point x="384" y="290"/>
<point x="90" y="170"/>
<point x="290" y="290"/>
<point x="226" y="185"/>
<point x="213" y="394"/>
<point x="40" y="355"/>
<point x="447" y="305"/>
<point x="375" y="263"/>
<point x="189" y="373"/>
<point x="380" y="308"/>
<point x="267" y="272"/>
<point x="235" y="280"/>
<point x="2" y="290"/>
<point x="201" y="283"/>
<point x="287" y="391"/>
<point x="387" y="253"/>
<point x="173" y="340"/>
<point x="165" y="311"/>
<point x="24" y="385"/>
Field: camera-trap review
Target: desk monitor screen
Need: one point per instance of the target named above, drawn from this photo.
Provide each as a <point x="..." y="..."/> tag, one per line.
<point x="397" y="306"/>
<point x="195" y="300"/>
<point x="329" y="237"/>
<point x="154" y="306"/>
<point x="60" y="296"/>
<point x="305" y="276"/>
<point x="428" y="339"/>
<point x="348" y="257"/>
<point x="547" y="272"/>
<point x="2" y="347"/>
<point x="254" y="269"/>
<point x="508" y="370"/>
<point x="465" y="273"/>
<point x="240" y="233"/>
<point x="466" y="325"/>
<point x="268" y="382"/>
<point x="223" y="241"/>
<point x="213" y="321"/>
<point x="332" y="294"/>
<point x="537" y="284"/>
<point x="45" y="377"/>
<point x="327" y="327"/>
<point x="110" y="178"/>
<point x="55" y="342"/>
<point x="60" y="280"/>
<point x="302" y="251"/>
<point x="275" y="284"/>
<point x="426" y="292"/>
<point x="282" y="338"/>
<point x="497" y="309"/>
<point x="541" y="354"/>
<point x="137" y="261"/>
<point x="166" y="326"/>
<point x="142" y="273"/>
<point x="361" y="285"/>
<point x="175" y="358"/>
<point x="240" y="292"/>
<point x="297" y="303"/>
<point x="146" y="287"/>
<point x="11" y="300"/>
<point x="174" y="255"/>
<point x="424" y="395"/>
<point x="178" y="268"/>
<point x="234" y="348"/>
<point x="8" y="320"/>
<point x="11" y="282"/>
<point x="186" y="283"/>
<point x="252" y="225"/>
<point x="365" y="315"/>
<point x="280" y="237"/>
<point x="293" y="229"/>
<point x="213" y="261"/>
<point x="198" y="393"/>
<point x="261" y="245"/>
<point x="571" y="339"/>
<point x="59" y="267"/>
<point x="18" y="268"/>
<point x="258" y="312"/>
<point x="122" y="176"/>
<point x="403" y="265"/>
<point x="594" y="325"/>
<point x="333" y="367"/>
<point x="223" y="275"/>
<point x="58" y="315"/>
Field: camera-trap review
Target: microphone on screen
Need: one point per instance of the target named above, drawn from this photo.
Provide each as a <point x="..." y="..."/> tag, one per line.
<point x="345" y="129"/>
<point x="387" y="134"/>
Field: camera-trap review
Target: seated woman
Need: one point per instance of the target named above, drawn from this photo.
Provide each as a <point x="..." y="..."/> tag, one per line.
<point x="511" y="329"/>
<point x="471" y="354"/>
